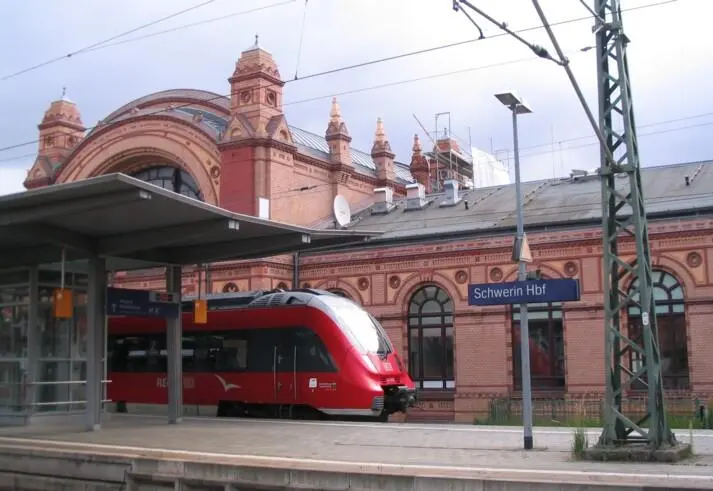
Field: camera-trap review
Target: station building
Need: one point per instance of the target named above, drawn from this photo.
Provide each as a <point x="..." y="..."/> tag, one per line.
<point x="243" y="154"/>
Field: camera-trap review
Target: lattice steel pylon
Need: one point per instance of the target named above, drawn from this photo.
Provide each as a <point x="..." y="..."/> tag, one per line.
<point x="623" y="212"/>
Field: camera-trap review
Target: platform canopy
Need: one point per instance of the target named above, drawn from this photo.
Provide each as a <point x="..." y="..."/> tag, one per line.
<point x="134" y="225"/>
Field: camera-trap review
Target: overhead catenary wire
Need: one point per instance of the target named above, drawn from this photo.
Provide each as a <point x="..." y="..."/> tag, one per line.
<point x="99" y="43"/>
<point x="196" y="24"/>
<point x="372" y="62"/>
<point x="299" y="44"/>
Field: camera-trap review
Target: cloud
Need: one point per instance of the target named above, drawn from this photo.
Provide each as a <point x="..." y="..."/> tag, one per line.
<point x="669" y="70"/>
<point x="11" y="179"/>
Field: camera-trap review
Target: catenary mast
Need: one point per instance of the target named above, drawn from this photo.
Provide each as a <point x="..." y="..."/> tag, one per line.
<point x="632" y="358"/>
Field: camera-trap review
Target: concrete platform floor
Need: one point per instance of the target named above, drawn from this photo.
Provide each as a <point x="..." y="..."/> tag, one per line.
<point x="431" y="448"/>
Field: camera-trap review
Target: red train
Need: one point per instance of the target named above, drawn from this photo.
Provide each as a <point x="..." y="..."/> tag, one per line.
<point x="303" y="354"/>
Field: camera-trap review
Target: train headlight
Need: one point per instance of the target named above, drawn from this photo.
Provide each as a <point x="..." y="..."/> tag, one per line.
<point x="369" y="363"/>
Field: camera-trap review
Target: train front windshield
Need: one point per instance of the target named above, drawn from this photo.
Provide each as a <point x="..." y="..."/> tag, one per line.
<point x="361" y="327"/>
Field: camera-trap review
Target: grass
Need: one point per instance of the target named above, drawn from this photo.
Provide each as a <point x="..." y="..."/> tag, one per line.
<point x="580" y="442"/>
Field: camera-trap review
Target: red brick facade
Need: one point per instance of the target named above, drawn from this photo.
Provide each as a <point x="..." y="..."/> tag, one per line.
<point x="256" y="156"/>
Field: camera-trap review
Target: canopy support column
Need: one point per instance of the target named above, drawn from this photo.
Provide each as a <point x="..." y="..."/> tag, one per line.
<point x="174" y="341"/>
<point x="96" y="341"/>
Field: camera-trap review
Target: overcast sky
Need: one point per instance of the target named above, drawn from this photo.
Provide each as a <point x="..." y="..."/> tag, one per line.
<point x="670" y="71"/>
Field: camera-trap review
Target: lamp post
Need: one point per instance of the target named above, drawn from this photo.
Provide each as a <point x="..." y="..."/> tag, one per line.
<point x="517" y="106"/>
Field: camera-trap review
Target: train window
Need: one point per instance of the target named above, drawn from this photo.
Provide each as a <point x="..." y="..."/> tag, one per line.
<point x="137" y="353"/>
<point x="312" y="354"/>
<point x="359" y="325"/>
<point x="227" y="351"/>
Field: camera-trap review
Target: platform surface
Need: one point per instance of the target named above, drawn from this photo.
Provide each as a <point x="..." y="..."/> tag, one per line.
<point x="462" y="448"/>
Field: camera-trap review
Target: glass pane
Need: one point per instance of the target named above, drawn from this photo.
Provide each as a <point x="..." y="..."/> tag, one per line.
<point x="678" y="308"/>
<point x="433" y="353"/>
<point x="55" y="334"/>
<point x="634" y="311"/>
<point x="677" y="293"/>
<point x="448" y="306"/>
<point x="431" y="307"/>
<point x="13" y="330"/>
<point x="79" y="338"/>
<point x="432" y="321"/>
<point x="419" y="297"/>
<point x="413" y="308"/>
<point x="53" y="396"/>
<point x="660" y="294"/>
<point x="556" y="314"/>
<point x="448" y="320"/>
<point x="431" y="291"/>
<point x="414" y="358"/>
<point x="11" y="387"/>
<point x="538" y="315"/>
<point x="668" y="281"/>
<point x="449" y="354"/>
<point x="78" y="391"/>
<point x="413" y="321"/>
<point x="442" y="296"/>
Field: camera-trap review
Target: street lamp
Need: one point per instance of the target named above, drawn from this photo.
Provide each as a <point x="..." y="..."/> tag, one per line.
<point x="518" y="106"/>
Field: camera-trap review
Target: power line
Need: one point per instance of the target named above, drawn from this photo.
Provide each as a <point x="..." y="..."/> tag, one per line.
<point x="98" y="44"/>
<point x="360" y="65"/>
<point x="195" y="24"/>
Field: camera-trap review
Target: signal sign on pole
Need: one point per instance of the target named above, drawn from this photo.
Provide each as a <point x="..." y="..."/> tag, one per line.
<point x="521" y="250"/>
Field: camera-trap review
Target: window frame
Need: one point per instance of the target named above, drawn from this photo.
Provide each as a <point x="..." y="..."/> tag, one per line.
<point x="555" y="316"/>
<point x="161" y="174"/>
<point x="414" y="322"/>
<point x="671" y="313"/>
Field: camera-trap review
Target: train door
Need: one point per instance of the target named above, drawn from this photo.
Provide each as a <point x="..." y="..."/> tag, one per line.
<point x="284" y="369"/>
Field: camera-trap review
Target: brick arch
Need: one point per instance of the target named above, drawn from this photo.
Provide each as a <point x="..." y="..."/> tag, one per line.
<point x="341" y="285"/>
<point x="416" y="281"/>
<point x="122" y="149"/>
<point x="671" y="266"/>
<point x="547" y="272"/>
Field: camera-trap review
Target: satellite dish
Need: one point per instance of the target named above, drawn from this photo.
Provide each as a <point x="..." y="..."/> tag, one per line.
<point x="342" y="211"/>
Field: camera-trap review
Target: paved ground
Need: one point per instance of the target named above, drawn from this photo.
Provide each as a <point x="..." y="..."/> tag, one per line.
<point x="423" y="444"/>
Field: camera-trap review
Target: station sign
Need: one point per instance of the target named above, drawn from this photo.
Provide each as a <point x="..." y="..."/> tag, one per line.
<point x="141" y="303"/>
<point x="530" y="291"/>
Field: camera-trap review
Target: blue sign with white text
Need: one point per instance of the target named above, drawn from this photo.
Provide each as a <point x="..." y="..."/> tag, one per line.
<point x="141" y="303"/>
<point x="530" y="291"/>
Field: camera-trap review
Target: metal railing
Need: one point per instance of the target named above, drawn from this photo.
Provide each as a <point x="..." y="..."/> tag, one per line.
<point x="24" y="387"/>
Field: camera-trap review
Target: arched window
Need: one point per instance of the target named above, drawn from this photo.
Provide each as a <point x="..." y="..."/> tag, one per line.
<point x="171" y="178"/>
<point x="340" y="292"/>
<point x="671" y="320"/>
<point x="546" y="346"/>
<point x="430" y="326"/>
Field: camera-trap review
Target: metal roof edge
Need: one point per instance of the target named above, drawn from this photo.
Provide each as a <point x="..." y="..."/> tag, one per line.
<point x="497" y="232"/>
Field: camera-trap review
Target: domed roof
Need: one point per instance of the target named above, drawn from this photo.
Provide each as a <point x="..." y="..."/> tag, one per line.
<point x="219" y="102"/>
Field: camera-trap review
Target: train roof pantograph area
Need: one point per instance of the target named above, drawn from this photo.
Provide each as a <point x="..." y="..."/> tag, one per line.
<point x="135" y="225"/>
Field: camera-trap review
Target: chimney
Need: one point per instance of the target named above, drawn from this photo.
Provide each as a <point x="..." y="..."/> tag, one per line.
<point x="450" y="189"/>
<point x="383" y="200"/>
<point x="415" y="196"/>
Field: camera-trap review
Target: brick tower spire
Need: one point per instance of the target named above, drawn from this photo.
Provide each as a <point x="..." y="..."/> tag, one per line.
<point x="61" y="130"/>
<point x="382" y="154"/>
<point x="419" y="165"/>
<point x="338" y="137"/>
